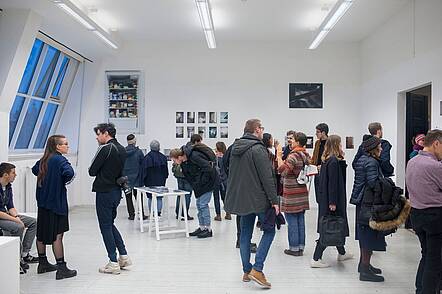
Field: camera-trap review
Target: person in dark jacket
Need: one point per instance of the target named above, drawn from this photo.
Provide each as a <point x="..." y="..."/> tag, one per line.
<point x="53" y="173"/>
<point x="375" y="130"/>
<point x="155" y="171"/>
<point x="133" y="171"/>
<point x="198" y="165"/>
<point x="367" y="172"/>
<point x="290" y="135"/>
<point x="183" y="185"/>
<point x="221" y="188"/>
<point x="107" y="166"/>
<point x="332" y="194"/>
<point x="251" y="191"/>
<point x="11" y="222"/>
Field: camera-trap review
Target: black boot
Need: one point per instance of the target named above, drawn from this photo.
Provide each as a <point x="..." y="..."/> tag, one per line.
<point x="45" y="267"/>
<point x="374" y="270"/>
<point x="63" y="272"/>
<point x="368" y="276"/>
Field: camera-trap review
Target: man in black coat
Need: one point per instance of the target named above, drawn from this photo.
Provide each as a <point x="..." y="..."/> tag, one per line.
<point x="107" y="166"/>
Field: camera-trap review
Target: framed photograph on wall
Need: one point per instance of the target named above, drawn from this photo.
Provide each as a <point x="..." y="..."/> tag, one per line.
<point x="190" y="117"/>
<point x="202" y="131"/>
<point x="303" y="95"/>
<point x="179" y="132"/>
<point x="179" y="117"/>
<point x="212" y="117"/>
<point x="213" y="132"/>
<point x="167" y="153"/>
<point x="349" y="143"/>
<point x="190" y="131"/>
<point x="309" y="144"/>
<point x="224" y="117"/>
<point x="201" y="117"/>
<point x="224" y="132"/>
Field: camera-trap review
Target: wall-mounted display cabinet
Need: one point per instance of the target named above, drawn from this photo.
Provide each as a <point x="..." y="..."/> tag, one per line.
<point x="125" y="107"/>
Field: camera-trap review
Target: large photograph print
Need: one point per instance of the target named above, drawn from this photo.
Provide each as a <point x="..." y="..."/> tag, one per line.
<point x="305" y="95"/>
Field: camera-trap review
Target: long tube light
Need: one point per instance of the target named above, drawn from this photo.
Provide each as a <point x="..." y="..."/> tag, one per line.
<point x="206" y="21"/>
<point x="336" y="13"/>
<point x="86" y="21"/>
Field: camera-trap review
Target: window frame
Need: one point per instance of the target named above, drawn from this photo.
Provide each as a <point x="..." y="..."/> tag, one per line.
<point x="60" y="100"/>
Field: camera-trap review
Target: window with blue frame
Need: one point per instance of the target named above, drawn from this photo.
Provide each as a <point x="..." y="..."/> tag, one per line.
<point x="43" y="90"/>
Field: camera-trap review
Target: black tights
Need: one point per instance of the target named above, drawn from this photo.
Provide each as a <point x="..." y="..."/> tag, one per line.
<point x="365" y="256"/>
<point x="57" y="247"/>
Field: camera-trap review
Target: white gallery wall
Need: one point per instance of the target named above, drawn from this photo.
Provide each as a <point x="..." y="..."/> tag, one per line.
<point x="246" y="79"/>
<point x="401" y="55"/>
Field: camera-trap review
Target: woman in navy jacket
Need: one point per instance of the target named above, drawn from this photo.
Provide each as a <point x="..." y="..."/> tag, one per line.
<point x="53" y="173"/>
<point x="367" y="172"/>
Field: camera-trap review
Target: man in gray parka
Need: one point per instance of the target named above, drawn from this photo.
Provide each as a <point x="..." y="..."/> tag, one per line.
<point x="251" y="191"/>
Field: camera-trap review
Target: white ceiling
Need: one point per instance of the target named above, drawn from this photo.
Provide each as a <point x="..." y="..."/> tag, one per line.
<point x="177" y="20"/>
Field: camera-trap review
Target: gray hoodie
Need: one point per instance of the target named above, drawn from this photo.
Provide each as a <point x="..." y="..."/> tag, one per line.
<point x="251" y="186"/>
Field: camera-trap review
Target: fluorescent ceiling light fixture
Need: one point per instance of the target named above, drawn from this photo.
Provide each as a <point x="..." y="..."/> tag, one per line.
<point x="206" y="21"/>
<point x="105" y="39"/>
<point x="330" y="21"/>
<point x="85" y="20"/>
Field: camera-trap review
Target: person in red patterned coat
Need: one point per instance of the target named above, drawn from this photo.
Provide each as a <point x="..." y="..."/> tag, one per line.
<point x="294" y="200"/>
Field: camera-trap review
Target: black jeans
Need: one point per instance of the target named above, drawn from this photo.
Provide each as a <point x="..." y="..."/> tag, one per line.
<point x="106" y="206"/>
<point x="130" y="204"/>
<point x="319" y="250"/>
<point x="427" y="223"/>
<point x="219" y="190"/>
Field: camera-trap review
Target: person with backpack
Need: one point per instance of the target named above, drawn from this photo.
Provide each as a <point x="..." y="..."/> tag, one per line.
<point x="198" y="165"/>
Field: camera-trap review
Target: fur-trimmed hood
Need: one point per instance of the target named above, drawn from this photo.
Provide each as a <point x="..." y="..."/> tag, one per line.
<point x="395" y="223"/>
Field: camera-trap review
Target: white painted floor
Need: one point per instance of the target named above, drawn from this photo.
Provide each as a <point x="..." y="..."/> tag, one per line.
<point x="179" y="265"/>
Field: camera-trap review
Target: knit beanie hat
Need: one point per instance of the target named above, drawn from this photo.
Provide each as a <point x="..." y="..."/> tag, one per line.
<point x="371" y="143"/>
<point x="419" y="137"/>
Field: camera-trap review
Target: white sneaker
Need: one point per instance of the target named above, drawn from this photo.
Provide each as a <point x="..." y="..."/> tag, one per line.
<point x="346" y="256"/>
<point x="318" y="264"/>
<point x="110" y="268"/>
<point x="124" y="261"/>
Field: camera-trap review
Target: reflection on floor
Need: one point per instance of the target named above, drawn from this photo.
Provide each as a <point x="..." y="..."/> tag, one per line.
<point x="179" y="265"/>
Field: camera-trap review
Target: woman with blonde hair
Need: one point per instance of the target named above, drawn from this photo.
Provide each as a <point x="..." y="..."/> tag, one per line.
<point x="332" y="198"/>
<point x="53" y="173"/>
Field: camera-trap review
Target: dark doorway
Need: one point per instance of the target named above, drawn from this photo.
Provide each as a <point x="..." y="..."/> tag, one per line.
<point x="417" y="115"/>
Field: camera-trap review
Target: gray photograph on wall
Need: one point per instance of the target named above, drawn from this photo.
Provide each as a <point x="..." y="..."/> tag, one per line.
<point x="190" y="117"/>
<point x="212" y="132"/>
<point x="201" y="117"/>
<point x="179" y="132"/>
<point x="212" y="117"/>
<point x="305" y="95"/>
<point x="202" y="131"/>
<point x="190" y="131"/>
<point x="224" y="117"/>
<point x="224" y="132"/>
<point x="179" y="117"/>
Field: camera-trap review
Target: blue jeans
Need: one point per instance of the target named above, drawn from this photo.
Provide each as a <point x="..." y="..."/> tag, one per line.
<point x="202" y="204"/>
<point x="185" y="186"/>
<point x="106" y="206"/>
<point x="296" y="230"/>
<point x="159" y="203"/>
<point x="216" y="195"/>
<point x="247" y="226"/>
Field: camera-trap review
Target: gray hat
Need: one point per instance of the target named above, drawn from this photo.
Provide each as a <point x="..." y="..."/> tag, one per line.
<point x="155" y="145"/>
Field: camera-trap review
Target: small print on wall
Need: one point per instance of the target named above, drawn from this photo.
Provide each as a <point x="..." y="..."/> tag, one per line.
<point x="224" y="132"/>
<point x="179" y="132"/>
<point x="309" y="144"/>
<point x="190" y="131"/>
<point x="305" y="95"/>
<point x="167" y="153"/>
<point x="212" y="117"/>
<point x="179" y="117"/>
<point x="190" y="117"/>
<point x="224" y="117"/>
<point x="212" y="132"/>
<point x="349" y="144"/>
<point x="201" y="117"/>
<point x="202" y="131"/>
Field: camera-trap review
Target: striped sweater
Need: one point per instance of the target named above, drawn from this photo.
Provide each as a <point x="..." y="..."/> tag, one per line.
<point x="294" y="196"/>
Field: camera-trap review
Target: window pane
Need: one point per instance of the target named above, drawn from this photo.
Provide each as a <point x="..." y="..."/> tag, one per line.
<point x="60" y="77"/>
<point x="28" y="124"/>
<point x="47" y="70"/>
<point x="45" y="126"/>
<point x="14" y="115"/>
<point x="30" y="67"/>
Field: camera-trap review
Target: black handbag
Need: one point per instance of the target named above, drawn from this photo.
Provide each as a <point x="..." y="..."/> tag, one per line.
<point x="331" y="230"/>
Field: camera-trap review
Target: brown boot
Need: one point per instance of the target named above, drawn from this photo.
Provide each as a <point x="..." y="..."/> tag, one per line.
<point x="218" y="217"/>
<point x="228" y="216"/>
<point x="260" y="279"/>
<point x="245" y="277"/>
